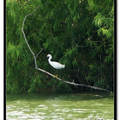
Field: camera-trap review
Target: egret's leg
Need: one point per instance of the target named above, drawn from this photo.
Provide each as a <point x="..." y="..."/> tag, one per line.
<point x="56" y="76"/>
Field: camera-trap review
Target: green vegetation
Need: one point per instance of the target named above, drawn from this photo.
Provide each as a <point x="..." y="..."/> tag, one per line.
<point x="78" y="33"/>
<point x="60" y="107"/>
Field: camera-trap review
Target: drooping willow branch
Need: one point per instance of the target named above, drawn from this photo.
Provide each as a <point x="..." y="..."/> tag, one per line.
<point x="46" y="72"/>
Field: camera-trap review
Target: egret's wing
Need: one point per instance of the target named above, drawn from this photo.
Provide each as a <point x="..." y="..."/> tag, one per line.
<point x="57" y="65"/>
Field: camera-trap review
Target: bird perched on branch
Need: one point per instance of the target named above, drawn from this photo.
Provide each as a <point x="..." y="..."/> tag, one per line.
<point x="54" y="64"/>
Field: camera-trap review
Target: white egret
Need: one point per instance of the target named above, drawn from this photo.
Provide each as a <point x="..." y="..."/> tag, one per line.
<point x="54" y="64"/>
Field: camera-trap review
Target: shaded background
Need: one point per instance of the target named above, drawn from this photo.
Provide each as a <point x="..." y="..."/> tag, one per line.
<point x="78" y="33"/>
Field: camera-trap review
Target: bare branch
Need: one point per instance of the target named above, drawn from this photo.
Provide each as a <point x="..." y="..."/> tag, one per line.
<point x="25" y="36"/>
<point x="24" y="32"/>
<point x="39" y="52"/>
<point x="46" y="72"/>
<point x="71" y="83"/>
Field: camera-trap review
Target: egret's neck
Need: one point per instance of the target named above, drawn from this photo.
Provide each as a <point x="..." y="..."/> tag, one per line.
<point x="49" y="59"/>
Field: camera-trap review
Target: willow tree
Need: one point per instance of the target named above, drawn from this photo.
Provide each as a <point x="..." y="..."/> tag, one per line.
<point x="77" y="33"/>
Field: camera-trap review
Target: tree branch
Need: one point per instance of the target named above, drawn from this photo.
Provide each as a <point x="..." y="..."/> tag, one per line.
<point x="46" y="72"/>
<point x="39" y="53"/>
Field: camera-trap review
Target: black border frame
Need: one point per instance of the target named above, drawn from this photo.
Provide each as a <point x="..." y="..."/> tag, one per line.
<point x="4" y="59"/>
<point x="115" y="60"/>
<point x="4" y="2"/>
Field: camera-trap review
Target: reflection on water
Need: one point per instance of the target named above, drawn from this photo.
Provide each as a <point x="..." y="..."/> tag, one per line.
<point x="59" y="109"/>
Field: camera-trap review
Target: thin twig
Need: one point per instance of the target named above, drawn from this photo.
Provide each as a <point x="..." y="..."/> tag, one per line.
<point x="39" y="52"/>
<point x="46" y="72"/>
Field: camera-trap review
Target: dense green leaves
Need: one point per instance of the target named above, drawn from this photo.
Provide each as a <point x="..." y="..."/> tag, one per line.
<point x="78" y="33"/>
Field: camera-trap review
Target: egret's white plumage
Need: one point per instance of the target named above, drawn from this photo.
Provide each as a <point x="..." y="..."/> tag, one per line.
<point x="54" y="64"/>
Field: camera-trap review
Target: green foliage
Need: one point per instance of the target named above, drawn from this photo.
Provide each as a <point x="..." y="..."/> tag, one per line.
<point x="78" y="33"/>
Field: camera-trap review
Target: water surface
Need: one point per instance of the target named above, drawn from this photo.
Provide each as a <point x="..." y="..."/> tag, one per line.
<point x="60" y="107"/>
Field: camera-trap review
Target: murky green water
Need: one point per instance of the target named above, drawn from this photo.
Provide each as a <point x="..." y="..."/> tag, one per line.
<point x="60" y="107"/>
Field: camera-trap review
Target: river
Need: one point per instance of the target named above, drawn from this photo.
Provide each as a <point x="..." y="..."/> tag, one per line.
<point x="60" y="107"/>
